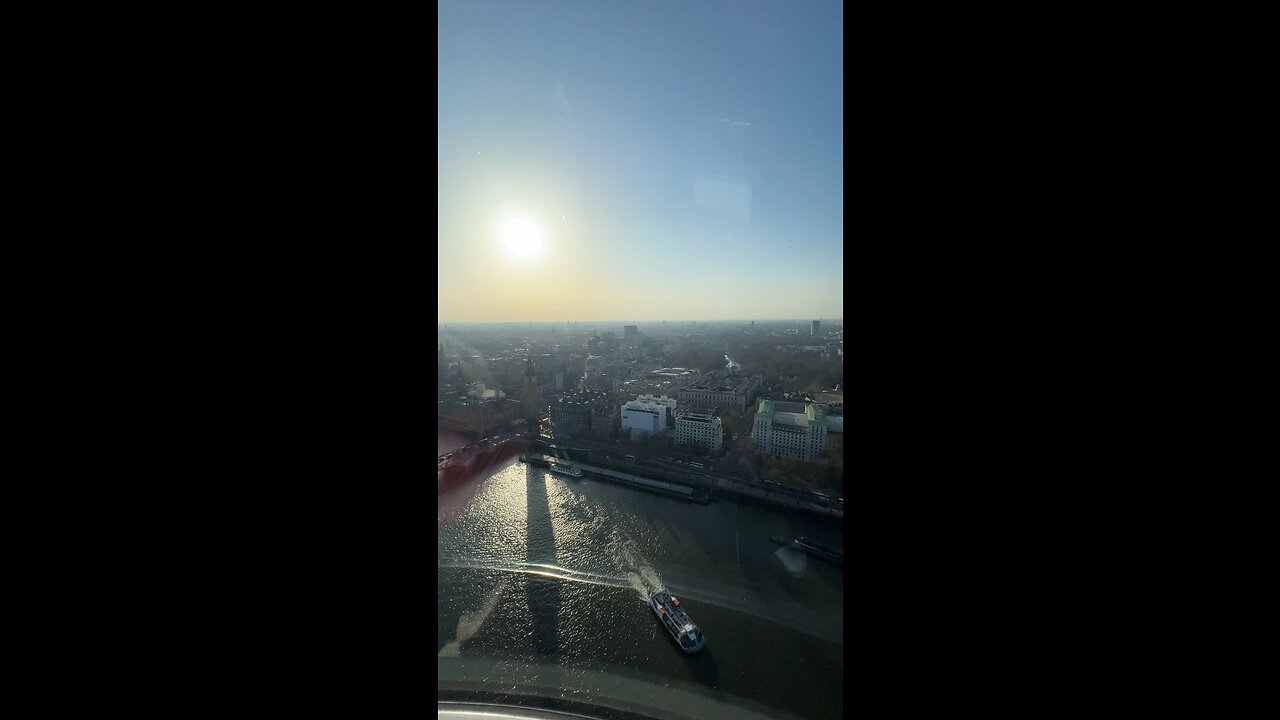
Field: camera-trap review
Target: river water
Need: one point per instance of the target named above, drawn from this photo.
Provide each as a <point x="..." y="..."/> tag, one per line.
<point x="543" y="571"/>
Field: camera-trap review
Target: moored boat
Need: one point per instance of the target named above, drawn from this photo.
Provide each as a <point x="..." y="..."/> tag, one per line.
<point x="819" y="551"/>
<point x="566" y="470"/>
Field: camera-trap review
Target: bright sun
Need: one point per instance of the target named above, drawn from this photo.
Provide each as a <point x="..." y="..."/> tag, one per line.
<point x="522" y="238"/>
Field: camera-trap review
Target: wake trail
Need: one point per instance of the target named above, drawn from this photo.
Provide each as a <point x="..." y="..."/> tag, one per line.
<point x="469" y="624"/>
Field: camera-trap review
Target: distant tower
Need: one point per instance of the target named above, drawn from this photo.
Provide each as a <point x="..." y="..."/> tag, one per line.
<point x="813" y="331"/>
<point x="530" y="389"/>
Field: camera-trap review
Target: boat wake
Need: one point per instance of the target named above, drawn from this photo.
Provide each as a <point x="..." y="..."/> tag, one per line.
<point x="646" y="581"/>
<point x="469" y="624"/>
<point x="640" y="575"/>
<point x="638" y="585"/>
<point x="543" y="569"/>
<point x="791" y="559"/>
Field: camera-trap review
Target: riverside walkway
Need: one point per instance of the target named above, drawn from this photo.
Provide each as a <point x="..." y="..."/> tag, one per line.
<point x="683" y="492"/>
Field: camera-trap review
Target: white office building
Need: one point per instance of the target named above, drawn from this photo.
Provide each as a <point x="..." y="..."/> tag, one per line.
<point x="647" y="414"/>
<point x="801" y="435"/>
<point x="699" y="429"/>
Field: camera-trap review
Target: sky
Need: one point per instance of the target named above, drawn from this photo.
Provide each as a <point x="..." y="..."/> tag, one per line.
<point x="640" y="160"/>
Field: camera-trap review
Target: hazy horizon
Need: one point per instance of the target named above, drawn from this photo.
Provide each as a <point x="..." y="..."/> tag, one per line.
<point x="612" y="321"/>
<point x="674" y="161"/>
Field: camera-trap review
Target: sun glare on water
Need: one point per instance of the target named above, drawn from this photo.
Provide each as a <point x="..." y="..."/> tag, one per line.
<point x="522" y="238"/>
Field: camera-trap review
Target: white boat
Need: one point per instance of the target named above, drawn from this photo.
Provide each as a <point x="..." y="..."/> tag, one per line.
<point x="566" y="470"/>
<point x="673" y="617"/>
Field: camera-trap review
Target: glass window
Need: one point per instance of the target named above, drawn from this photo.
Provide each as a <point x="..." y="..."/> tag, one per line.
<point x="675" y="168"/>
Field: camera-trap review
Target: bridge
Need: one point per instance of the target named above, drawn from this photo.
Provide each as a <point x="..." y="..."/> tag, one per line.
<point x="455" y="465"/>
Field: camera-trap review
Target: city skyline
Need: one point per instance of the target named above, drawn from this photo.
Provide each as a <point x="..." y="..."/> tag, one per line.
<point x="654" y="321"/>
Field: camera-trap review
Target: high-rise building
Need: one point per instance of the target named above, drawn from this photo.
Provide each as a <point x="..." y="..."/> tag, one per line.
<point x="813" y="331"/>
<point x="801" y="435"/>
<point x="647" y="414"/>
<point x="629" y="332"/>
<point x="699" y="429"/>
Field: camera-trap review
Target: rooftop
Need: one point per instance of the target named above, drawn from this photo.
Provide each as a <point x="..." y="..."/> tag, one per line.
<point x="783" y="406"/>
<point x="790" y="418"/>
<point x="642" y="408"/>
<point x="674" y="372"/>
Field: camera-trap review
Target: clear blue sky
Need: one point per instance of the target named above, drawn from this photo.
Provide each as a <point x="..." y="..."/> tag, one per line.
<point x="659" y="160"/>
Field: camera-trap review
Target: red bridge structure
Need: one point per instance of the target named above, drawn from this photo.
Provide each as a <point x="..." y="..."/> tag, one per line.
<point x="454" y="467"/>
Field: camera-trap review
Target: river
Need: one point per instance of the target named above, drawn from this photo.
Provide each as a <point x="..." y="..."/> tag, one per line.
<point x="543" y="571"/>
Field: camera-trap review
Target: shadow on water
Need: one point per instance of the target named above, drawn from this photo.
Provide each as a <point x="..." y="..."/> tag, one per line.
<point x="703" y="668"/>
<point x="831" y="575"/>
<point x="542" y="594"/>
